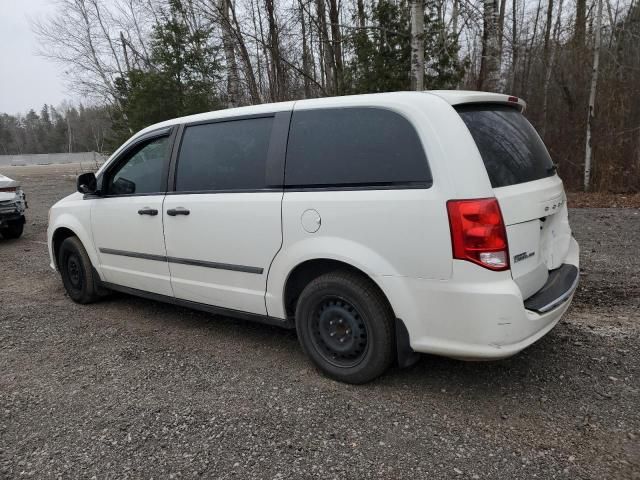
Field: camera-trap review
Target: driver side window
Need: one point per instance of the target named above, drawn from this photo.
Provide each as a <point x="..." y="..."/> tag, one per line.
<point x="142" y="171"/>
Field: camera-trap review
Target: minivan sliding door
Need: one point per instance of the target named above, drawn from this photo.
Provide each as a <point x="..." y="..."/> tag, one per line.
<point x="222" y="222"/>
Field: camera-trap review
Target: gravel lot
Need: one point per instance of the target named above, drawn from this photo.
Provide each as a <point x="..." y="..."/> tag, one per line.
<point x="129" y="388"/>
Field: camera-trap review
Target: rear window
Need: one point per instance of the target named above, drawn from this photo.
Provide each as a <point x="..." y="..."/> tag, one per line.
<point x="510" y="147"/>
<point x="343" y="147"/>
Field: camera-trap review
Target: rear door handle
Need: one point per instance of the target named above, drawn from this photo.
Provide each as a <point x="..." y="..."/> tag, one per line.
<point x="178" y="211"/>
<point x="148" y="211"/>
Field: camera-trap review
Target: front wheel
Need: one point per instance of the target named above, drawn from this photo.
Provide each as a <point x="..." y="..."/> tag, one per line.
<point x="345" y="326"/>
<point x="77" y="273"/>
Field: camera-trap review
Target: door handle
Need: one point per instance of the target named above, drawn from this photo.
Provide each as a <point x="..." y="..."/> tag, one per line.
<point x="178" y="211"/>
<point x="148" y="211"/>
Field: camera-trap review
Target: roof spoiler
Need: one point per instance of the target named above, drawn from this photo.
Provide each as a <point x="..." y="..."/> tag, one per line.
<point x="465" y="97"/>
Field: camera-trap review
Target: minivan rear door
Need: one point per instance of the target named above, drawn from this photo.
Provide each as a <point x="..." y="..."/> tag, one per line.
<point x="530" y="194"/>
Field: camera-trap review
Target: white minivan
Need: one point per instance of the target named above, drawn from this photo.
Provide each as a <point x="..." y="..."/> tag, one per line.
<point x="378" y="226"/>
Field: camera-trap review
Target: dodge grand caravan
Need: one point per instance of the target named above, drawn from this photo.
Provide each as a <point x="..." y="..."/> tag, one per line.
<point x="378" y="226"/>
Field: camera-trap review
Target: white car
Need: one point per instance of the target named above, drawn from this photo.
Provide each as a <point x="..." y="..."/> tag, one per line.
<point x="379" y="226"/>
<point x="12" y="206"/>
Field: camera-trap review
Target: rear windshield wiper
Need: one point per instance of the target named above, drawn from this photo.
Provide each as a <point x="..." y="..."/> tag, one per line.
<point x="552" y="169"/>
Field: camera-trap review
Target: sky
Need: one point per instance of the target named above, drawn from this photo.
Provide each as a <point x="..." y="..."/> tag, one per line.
<point x="26" y="79"/>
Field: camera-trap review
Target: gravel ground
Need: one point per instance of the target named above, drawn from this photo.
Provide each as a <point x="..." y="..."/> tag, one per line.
<point x="129" y="388"/>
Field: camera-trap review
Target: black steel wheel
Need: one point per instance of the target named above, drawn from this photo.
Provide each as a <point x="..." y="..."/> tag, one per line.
<point x="345" y="326"/>
<point x="76" y="271"/>
<point x="338" y="332"/>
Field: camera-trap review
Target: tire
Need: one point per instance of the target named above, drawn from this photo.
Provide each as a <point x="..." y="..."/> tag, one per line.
<point x="77" y="272"/>
<point x="13" y="230"/>
<point x="345" y="326"/>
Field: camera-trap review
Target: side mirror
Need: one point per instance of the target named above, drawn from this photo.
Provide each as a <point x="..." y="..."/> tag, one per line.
<point x="87" y="183"/>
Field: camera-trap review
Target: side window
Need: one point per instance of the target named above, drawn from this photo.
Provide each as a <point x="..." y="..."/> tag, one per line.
<point x="352" y="147"/>
<point x="141" y="171"/>
<point x="224" y="156"/>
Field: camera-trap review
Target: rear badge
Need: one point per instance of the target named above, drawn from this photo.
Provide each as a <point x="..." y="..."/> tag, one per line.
<point x="522" y="256"/>
<point x="553" y="207"/>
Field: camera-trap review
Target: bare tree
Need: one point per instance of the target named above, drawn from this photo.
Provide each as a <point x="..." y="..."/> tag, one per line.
<point x="592" y="97"/>
<point x="326" y="52"/>
<point x="581" y="22"/>
<point x="249" y="72"/>
<point x="336" y="46"/>
<point x="233" y="77"/>
<point x="306" y="53"/>
<point x="417" y="45"/>
<point x="489" y="77"/>
<point x="362" y="19"/>
<point x="514" y="45"/>
<point x="549" y="63"/>
<point x="529" y="56"/>
<point x="500" y="28"/>
<point x="277" y="77"/>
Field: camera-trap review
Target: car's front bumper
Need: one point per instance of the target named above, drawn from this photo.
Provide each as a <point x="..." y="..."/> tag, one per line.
<point x="11" y="216"/>
<point x="472" y="316"/>
<point x="12" y="209"/>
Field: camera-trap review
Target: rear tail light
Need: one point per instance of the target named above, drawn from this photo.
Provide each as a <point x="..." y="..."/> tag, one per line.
<point x="478" y="233"/>
<point x="7" y="189"/>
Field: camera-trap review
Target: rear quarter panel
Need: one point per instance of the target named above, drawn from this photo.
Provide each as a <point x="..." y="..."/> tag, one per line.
<point x="381" y="232"/>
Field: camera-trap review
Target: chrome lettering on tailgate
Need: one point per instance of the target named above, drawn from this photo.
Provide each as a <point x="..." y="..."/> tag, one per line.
<point x="554" y="205"/>
<point x="522" y="256"/>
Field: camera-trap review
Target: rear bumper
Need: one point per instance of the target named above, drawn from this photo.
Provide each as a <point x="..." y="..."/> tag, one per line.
<point x="559" y="287"/>
<point x="478" y="318"/>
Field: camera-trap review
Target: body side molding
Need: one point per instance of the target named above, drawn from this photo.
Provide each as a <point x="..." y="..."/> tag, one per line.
<point x="184" y="261"/>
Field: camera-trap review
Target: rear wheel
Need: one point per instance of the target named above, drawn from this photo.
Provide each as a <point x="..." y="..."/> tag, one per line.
<point x="13" y="230"/>
<point x="345" y="326"/>
<point x="77" y="273"/>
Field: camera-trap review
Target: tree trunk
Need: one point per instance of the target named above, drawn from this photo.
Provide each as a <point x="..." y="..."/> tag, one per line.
<point x="326" y="50"/>
<point x="361" y="14"/>
<point x="549" y="66"/>
<point x="233" y="78"/>
<point x="592" y="98"/>
<point x="417" y="45"/>
<point x="306" y="55"/>
<point x="124" y="51"/>
<point x="501" y="28"/>
<point x="255" y="85"/>
<point x="514" y="47"/>
<point x="265" y="51"/>
<point x="525" y="77"/>
<point x="336" y="41"/>
<point x="277" y="68"/>
<point x="490" y="62"/>
<point x="581" y="22"/>
<point x="455" y="15"/>
<point x="547" y="35"/>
